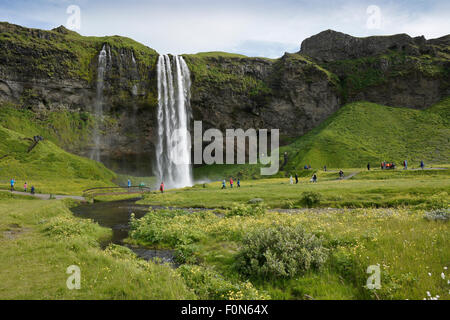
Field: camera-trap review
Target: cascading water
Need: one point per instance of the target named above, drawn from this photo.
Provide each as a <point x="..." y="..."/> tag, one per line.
<point x="98" y="106"/>
<point x="173" y="148"/>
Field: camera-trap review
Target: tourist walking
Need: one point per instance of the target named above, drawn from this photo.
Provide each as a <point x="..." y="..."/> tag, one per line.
<point x="405" y="165"/>
<point x="238" y="183"/>
<point x="368" y="166"/>
<point x="224" y="184"/>
<point x="422" y="165"/>
<point x="32" y="189"/>
<point x="290" y="180"/>
<point x="25" y="187"/>
<point x="161" y="187"/>
<point x="12" y="182"/>
<point x="231" y="183"/>
<point x="296" y="178"/>
<point x="314" y="178"/>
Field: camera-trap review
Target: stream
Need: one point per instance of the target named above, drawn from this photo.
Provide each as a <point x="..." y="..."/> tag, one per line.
<point x="116" y="216"/>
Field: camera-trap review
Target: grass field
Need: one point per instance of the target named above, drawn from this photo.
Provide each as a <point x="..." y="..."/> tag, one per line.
<point x="40" y="239"/>
<point x="410" y="251"/>
<point x="396" y="188"/>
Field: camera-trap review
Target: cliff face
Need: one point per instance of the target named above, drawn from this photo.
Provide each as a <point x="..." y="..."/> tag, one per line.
<point x="56" y="71"/>
<point x="393" y="70"/>
<point x="291" y="93"/>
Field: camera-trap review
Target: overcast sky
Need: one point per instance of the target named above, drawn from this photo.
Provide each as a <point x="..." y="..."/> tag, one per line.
<point x="254" y="28"/>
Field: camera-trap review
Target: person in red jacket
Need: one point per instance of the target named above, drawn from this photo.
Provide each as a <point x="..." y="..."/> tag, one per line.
<point x="231" y="182"/>
<point x="161" y="187"/>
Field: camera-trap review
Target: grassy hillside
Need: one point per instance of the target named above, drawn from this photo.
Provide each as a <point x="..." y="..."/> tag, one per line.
<point x="359" y="133"/>
<point x="47" y="167"/>
<point x="366" y="132"/>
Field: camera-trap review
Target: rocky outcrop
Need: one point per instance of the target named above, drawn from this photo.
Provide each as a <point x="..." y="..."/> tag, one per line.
<point x="395" y="70"/>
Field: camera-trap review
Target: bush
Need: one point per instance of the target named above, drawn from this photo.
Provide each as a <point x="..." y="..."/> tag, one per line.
<point x="310" y="199"/>
<point x="247" y="210"/>
<point x="280" y="251"/>
<point x="207" y="284"/>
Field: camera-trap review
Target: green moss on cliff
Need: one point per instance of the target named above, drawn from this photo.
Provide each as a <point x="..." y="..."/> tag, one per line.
<point x="70" y="130"/>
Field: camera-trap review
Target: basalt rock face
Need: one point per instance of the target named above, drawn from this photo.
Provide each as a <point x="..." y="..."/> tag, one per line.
<point x="56" y="71"/>
<point x="291" y="94"/>
<point x="393" y="70"/>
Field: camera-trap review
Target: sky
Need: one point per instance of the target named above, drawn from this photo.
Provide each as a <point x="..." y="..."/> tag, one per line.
<point x="250" y="27"/>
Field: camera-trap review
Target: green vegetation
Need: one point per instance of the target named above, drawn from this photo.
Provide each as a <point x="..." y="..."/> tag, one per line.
<point x="405" y="245"/>
<point x="69" y="130"/>
<point x="50" y="239"/>
<point x="357" y="134"/>
<point x="360" y="74"/>
<point x="222" y="71"/>
<point x="48" y="168"/>
<point x="64" y="52"/>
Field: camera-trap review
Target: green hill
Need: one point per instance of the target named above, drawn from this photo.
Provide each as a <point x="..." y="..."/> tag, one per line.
<point x="47" y="167"/>
<point x="359" y="133"/>
<point x="365" y="132"/>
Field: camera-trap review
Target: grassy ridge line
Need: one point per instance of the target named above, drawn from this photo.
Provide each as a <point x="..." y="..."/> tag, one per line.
<point x="77" y="52"/>
<point x="50" y="239"/>
<point x="47" y="167"/>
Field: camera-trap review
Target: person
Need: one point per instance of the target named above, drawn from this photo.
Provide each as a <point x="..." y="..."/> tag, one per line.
<point x="341" y="174"/>
<point x="231" y="182"/>
<point x="25" y="187"/>
<point x="224" y="185"/>
<point x="325" y="168"/>
<point x="405" y="164"/>
<point x="32" y="189"/>
<point x="129" y="183"/>
<point x="314" y="178"/>
<point x="368" y="166"/>
<point x="290" y="180"/>
<point x="296" y="178"/>
<point x="12" y="184"/>
<point x="238" y="183"/>
<point x="305" y="167"/>
<point x="161" y="187"/>
<point x="422" y="165"/>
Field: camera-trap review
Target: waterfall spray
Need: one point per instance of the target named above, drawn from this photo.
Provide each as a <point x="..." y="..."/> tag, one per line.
<point x="173" y="148"/>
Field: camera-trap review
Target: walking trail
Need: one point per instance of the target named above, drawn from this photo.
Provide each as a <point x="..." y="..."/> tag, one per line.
<point x="46" y="196"/>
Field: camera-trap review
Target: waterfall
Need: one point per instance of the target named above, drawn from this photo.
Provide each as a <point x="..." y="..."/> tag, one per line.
<point x="173" y="148"/>
<point x="98" y="106"/>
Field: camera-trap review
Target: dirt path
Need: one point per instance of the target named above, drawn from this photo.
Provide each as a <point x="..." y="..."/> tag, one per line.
<point x="46" y="196"/>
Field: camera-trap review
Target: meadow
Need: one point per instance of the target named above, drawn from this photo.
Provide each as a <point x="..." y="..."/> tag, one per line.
<point x="39" y="239"/>
<point x="375" y="188"/>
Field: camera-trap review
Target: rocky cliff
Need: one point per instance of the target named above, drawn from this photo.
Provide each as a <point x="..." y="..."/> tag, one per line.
<point x="56" y="71"/>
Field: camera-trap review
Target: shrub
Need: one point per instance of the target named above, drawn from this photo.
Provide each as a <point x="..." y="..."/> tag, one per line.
<point x="310" y="199"/>
<point x="280" y="251"/>
<point x="244" y="210"/>
<point x="207" y="284"/>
